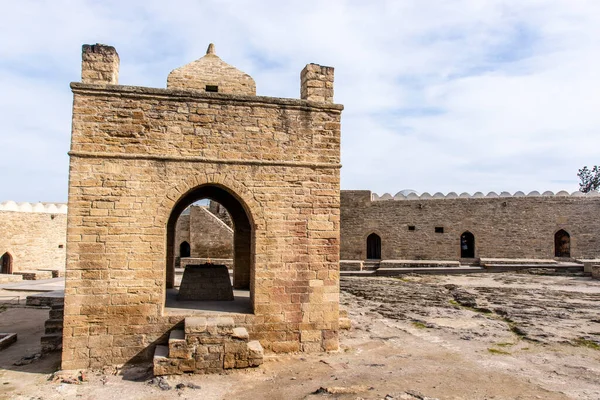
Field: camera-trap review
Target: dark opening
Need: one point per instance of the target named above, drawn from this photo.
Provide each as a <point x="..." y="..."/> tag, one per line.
<point x="562" y="244"/>
<point x="184" y="249"/>
<point x="60" y="246"/>
<point x="243" y="255"/>
<point x="439" y="229"/>
<point x="411" y="227"/>
<point x="373" y="247"/>
<point x="6" y="264"/>
<point x="212" y="88"/>
<point x="467" y="245"/>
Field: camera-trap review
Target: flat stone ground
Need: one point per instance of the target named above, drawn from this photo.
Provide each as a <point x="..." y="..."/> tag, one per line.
<point x="478" y="336"/>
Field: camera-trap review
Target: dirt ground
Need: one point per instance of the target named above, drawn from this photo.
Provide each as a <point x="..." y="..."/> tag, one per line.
<point x="495" y="336"/>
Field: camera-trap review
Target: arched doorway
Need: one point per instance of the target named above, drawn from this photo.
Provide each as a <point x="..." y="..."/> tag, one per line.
<point x="184" y="249"/>
<point x="373" y="247"/>
<point x="467" y="245"/>
<point x="243" y="249"/>
<point x="562" y="244"/>
<point x="6" y="263"/>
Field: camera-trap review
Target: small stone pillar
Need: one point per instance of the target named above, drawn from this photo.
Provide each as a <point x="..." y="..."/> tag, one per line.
<point x="99" y="64"/>
<point x="316" y="83"/>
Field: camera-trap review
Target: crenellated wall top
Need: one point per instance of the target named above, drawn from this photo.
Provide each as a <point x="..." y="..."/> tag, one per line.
<point x="411" y="195"/>
<point x="47" y="208"/>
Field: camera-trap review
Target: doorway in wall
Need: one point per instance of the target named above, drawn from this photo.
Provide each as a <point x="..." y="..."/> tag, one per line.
<point x="562" y="244"/>
<point x="467" y="245"/>
<point x="184" y="249"/>
<point x="6" y="263"/>
<point x="373" y="247"/>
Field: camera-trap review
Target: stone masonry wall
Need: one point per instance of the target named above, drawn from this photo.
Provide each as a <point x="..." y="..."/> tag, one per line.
<point x="221" y="212"/>
<point x="504" y="227"/>
<point x="209" y="236"/>
<point x="136" y="151"/>
<point x="182" y="232"/>
<point x="34" y="240"/>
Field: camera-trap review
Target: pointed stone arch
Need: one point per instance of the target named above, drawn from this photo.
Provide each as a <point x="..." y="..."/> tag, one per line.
<point x="243" y="231"/>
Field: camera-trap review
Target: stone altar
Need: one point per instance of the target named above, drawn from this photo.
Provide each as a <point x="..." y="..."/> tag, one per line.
<point x="207" y="282"/>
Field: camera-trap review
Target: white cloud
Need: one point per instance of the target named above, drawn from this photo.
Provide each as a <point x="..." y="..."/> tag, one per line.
<point x="460" y="95"/>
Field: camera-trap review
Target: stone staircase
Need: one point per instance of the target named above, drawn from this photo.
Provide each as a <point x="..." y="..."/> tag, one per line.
<point x="207" y="345"/>
<point x="53" y="328"/>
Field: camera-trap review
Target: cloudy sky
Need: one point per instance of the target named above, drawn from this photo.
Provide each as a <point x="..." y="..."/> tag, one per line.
<point x="439" y="95"/>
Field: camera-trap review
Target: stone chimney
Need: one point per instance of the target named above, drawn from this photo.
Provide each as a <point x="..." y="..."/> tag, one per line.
<point x="99" y="64"/>
<point x="316" y="83"/>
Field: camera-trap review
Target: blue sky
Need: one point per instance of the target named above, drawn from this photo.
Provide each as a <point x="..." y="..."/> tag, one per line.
<point x="440" y="96"/>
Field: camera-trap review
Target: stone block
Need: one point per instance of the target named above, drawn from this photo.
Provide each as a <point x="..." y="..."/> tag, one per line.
<point x="331" y="344"/>
<point x="206" y="282"/>
<point x="255" y="350"/>
<point x="195" y="325"/>
<point x="596" y="271"/>
<point x="240" y="333"/>
<point x="229" y="361"/>
<point x="345" y="323"/>
<point x="178" y="347"/>
<point x="312" y="347"/>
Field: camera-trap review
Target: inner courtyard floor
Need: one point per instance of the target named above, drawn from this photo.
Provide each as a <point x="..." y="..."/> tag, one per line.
<point x="526" y="335"/>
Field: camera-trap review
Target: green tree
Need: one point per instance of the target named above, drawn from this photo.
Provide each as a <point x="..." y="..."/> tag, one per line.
<point x="590" y="179"/>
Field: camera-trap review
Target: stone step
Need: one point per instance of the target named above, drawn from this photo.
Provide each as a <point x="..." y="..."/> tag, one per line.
<point x="208" y="330"/>
<point x="207" y="345"/>
<point x="161" y="352"/>
<point x="178" y="347"/>
<point x="48" y="299"/>
<point x="51" y="342"/>
<point x="165" y="365"/>
<point x="57" y="312"/>
<point x="53" y="326"/>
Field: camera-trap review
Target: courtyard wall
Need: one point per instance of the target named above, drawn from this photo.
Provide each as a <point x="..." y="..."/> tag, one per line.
<point x="34" y="235"/>
<point x="521" y="226"/>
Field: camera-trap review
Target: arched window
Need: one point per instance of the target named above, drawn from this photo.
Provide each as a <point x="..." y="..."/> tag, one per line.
<point x="467" y="245"/>
<point x="6" y="263"/>
<point x="184" y="249"/>
<point x="562" y="244"/>
<point x="373" y="247"/>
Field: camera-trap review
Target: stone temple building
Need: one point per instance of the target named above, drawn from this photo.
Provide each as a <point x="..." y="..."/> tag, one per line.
<point x="140" y="156"/>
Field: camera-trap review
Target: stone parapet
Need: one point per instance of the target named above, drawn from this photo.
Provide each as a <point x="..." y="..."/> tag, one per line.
<point x="477" y="195"/>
